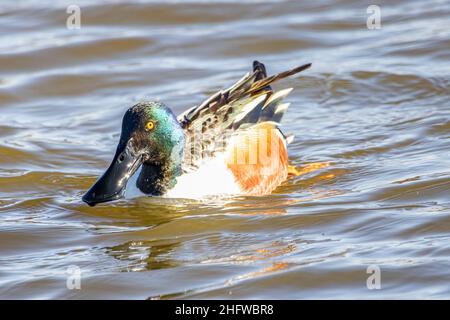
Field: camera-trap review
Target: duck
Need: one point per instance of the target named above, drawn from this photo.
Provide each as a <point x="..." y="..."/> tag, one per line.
<point x="231" y="143"/>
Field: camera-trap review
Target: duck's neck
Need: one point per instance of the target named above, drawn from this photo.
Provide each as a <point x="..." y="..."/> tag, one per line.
<point x="156" y="179"/>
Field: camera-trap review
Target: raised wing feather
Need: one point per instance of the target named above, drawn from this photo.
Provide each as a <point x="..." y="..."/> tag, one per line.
<point x="249" y="101"/>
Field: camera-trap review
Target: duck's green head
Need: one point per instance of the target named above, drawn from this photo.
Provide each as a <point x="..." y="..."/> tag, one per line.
<point x="152" y="138"/>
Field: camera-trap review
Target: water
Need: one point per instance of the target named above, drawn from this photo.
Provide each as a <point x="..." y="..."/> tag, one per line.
<point x="372" y="125"/>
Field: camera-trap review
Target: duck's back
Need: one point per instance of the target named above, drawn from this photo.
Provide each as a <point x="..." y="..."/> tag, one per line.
<point x="239" y="126"/>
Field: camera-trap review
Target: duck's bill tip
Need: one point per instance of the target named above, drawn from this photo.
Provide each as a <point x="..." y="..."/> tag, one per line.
<point x="91" y="200"/>
<point x="112" y="184"/>
<point x="88" y="202"/>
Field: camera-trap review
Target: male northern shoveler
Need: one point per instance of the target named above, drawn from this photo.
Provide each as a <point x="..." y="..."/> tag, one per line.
<point x="234" y="134"/>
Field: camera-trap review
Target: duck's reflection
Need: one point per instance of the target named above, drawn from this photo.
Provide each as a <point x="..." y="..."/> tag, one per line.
<point x="147" y="235"/>
<point x="145" y="255"/>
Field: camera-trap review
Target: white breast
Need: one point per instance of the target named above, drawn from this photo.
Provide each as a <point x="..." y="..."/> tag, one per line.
<point x="213" y="178"/>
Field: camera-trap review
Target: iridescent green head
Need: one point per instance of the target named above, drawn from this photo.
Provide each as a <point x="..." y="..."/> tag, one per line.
<point x="152" y="138"/>
<point x="154" y="130"/>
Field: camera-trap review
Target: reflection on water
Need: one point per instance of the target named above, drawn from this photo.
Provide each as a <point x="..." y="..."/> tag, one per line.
<point x="372" y="126"/>
<point x="145" y="255"/>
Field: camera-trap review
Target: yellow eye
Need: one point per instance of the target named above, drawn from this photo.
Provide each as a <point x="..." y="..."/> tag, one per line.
<point x="150" y="125"/>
